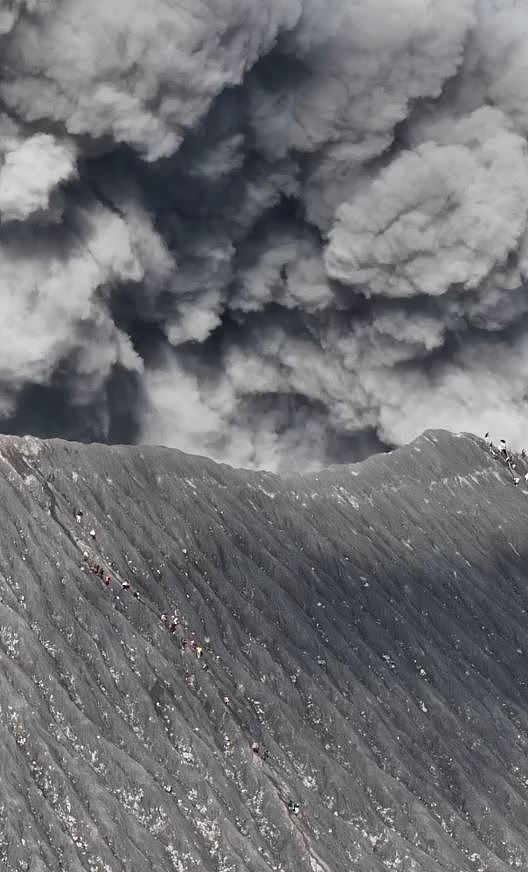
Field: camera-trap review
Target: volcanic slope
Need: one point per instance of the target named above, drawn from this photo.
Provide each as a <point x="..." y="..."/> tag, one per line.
<point x="367" y="626"/>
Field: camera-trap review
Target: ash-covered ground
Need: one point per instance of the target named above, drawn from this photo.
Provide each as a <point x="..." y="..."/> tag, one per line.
<point x="366" y="626"/>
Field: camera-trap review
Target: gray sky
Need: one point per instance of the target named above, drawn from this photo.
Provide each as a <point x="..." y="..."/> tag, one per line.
<point x="278" y="232"/>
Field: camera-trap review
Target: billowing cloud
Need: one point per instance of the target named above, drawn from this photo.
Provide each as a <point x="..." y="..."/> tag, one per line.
<point x="141" y="73"/>
<point x="31" y="171"/>
<point x="280" y="233"/>
<point x="444" y="213"/>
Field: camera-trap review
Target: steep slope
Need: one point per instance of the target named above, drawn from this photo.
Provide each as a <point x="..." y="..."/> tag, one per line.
<point x="367" y="625"/>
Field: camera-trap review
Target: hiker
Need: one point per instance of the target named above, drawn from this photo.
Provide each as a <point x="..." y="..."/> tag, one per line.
<point x="198" y="651"/>
<point x="164" y="618"/>
<point x="502" y="448"/>
<point x="260" y="751"/>
<point x="226" y="698"/>
<point x="293" y="807"/>
<point x="107" y="580"/>
<point x="136" y="595"/>
<point x="523" y="452"/>
<point x="526" y="476"/>
<point x="487" y="438"/>
<point x="78" y="516"/>
<point x="92" y="533"/>
<point x="516" y="480"/>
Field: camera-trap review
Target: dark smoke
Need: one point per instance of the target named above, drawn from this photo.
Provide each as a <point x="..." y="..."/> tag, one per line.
<point x="278" y="232"/>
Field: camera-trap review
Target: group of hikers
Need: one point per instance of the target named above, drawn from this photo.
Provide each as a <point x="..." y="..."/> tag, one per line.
<point x="98" y="569"/>
<point x="174" y="625"/>
<point x="501" y="451"/>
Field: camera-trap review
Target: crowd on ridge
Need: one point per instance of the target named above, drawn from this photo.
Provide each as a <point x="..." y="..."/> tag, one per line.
<point x="501" y="452"/>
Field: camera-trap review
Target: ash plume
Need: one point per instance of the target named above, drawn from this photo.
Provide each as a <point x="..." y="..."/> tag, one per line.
<point x="281" y="233"/>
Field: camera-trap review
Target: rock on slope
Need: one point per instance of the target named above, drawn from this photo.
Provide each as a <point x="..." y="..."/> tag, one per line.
<point x="367" y="623"/>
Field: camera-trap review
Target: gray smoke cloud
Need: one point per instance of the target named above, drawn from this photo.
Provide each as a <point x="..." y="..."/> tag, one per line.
<point x="281" y="233"/>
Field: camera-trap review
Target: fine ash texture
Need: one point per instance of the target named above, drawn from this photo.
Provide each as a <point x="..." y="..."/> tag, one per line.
<point x="368" y="625"/>
<point x="280" y="233"/>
